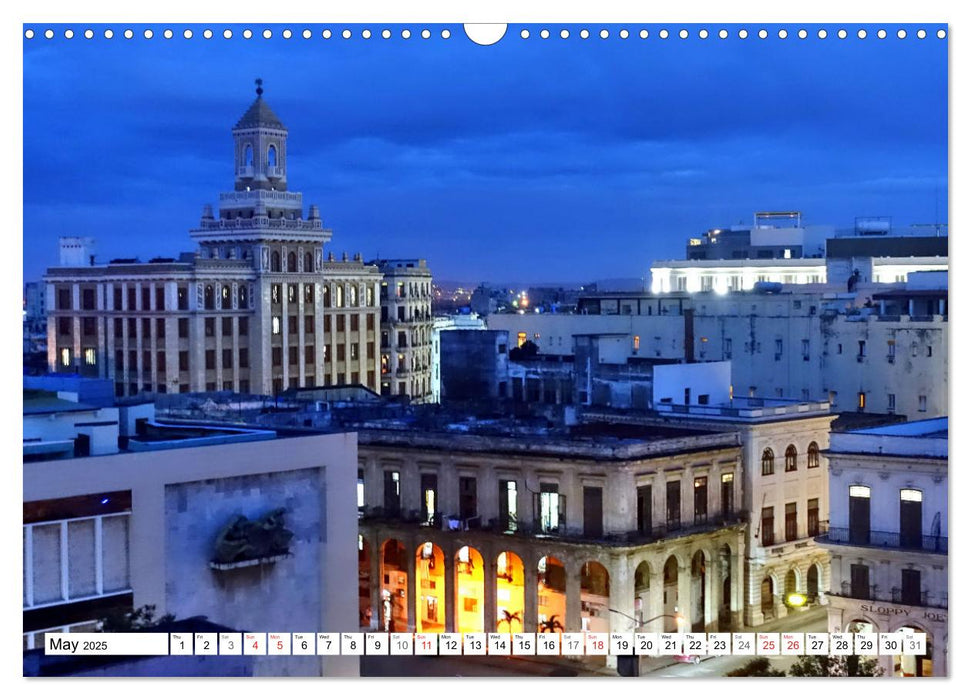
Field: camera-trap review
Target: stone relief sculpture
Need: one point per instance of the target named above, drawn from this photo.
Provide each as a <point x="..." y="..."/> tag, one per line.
<point x="243" y="539"/>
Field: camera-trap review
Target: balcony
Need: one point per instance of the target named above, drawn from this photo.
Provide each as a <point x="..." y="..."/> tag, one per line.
<point x="896" y="595"/>
<point x="884" y="540"/>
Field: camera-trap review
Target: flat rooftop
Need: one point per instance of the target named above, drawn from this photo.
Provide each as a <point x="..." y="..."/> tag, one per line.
<point x="930" y="428"/>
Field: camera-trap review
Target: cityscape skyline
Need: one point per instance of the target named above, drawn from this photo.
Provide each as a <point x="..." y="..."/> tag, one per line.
<point x="408" y="162"/>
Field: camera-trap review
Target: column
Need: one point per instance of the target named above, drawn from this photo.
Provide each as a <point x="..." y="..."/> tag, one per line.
<point x="712" y="594"/>
<point x="530" y="592"/>
<point x="449" y="555"/>
<point x="376" y="581"/>
<point x="573" y="616"/>
<point x="621" y="595"/>
<point x="655" y="597"/>
<point x="738" y="589"/>
<point x="489" y="589"/>
<point x="684" y="597"/>
<point x="412" y="591"/>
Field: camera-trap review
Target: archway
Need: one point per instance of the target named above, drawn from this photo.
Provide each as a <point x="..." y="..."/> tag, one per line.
<point x="429" y="588"/>
<point x="510" y="593"/>
<point x="551" y="595"/>
<point x="912" y="664"/>
<point x="274" y="261"/>
<point x="767" y="596"/>
<point x="394" y="587"/>
<point x="812" y="583"/>
<point x="469" y="591"/>
<point x="792" y="582"/>
<point x="695" y="608"/>
<point x="271" y="156"/>
<point x="671" y="594"/>
<point x="364" y="581"/>
<point x="642" y="592"/>
<point x="594" y="597"/>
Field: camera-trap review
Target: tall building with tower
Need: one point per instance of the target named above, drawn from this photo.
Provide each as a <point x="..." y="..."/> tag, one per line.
<point x="258" y="307"/>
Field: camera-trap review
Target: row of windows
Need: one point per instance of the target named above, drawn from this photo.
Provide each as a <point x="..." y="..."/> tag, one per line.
<point x="88" y="298"/>
<point x="791" y="532"/>
<point x="351" y="352"/>
<point x="549" y="505"/>
<point x="340" y="324"/>
<point x="330" y="299"/>
<point x="768" y="459"/>
<point x="403" y="290"/>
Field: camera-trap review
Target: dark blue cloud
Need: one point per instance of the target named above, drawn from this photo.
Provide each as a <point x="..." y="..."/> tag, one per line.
<point x="533" y="160"/>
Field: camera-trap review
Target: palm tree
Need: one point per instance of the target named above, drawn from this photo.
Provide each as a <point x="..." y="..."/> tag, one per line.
<point x="508" y="617"/>
<point x="551" y="625"/>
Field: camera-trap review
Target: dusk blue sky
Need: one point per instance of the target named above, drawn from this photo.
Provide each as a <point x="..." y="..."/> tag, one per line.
<point x="531" y="160"/>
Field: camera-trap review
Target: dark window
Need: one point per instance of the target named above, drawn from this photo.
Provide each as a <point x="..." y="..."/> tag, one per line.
<point x="593" y="525"/>
<point x="87" y="299"/>
<point x="160" y="361"/>
<point x="243" y="357"/>
<point x="132" y="304"/>
<point x="160" y="298"/>
<point x="767" y="531"/>
<point x="119" y="328"/>
<point x="910" y="587"/>
<point x="911" y="513"/>
<point x="370" y="322"/>
<point x="792" y="523"/>
<point x="812" y="517"/>
<point x="768" y="462"/>
<point x="340" y="355"/>
<point x="227" y="325"/>
<point x="184" y="361"/>
<point x="64" y="325"/>
<point x="308" y="354"/>
<point x="392" y="493"/>
<point x="146" y="362"/>
<point x="89" y="325"/>
<point x="355" y="322"/>
<point x="116" y="295"/>
<point x="326" y="324"/>
<point x="292" y="325"/>
<point x="277" y="354"/>
<point x="674" y="504"/>
<point x="468" y="504"/>
<point x="728" y="494"/>
<point x="210" y="359"/>
<point x="293" y="355"/>
<point x="183" y="328"/>
<point x="243" y="326"/>
<point x="119" y="361"/>
<point x="227" y="358"/>
<point x="210" y="327"/>
<point x="508" y="505"/>
<point x="644" y="510"/>
<point x="132" y="327"/>
<point x="64" y="299"/>
<point x="160" y="328"/>
<point x="308" y="325"/>
<point x="274" y="261"/>
<point x="429" y="497"/>
<point x="859" y="514"/>
<point x="701" y="499"/>
<point x="370" y="351"/>
<point x="812" y="456"/>
<point x="791" y="458"/>
<point x="340" y="323"/>
<point x="146" y="328"/>
<point x="860" y="581"/>
<point x="146" y="298"/>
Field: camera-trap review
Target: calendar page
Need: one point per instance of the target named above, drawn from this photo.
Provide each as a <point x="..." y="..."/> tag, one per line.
<point x="389" y="345"/>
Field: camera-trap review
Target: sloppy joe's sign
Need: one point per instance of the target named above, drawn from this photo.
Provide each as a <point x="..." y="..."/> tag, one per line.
<point x="932" y="615"/>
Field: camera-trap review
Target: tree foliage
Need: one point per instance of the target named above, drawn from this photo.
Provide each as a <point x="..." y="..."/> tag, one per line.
<point x="759" y="666"/>
<point x="525" y="351"/>
<point x="124" y="620"/>
<point x="840" y="666"/>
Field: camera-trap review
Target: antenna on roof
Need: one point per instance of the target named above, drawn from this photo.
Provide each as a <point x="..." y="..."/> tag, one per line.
<point x="259" y="87"/>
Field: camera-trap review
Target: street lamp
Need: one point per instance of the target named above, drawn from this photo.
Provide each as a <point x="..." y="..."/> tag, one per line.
<point x="640" y="623"/>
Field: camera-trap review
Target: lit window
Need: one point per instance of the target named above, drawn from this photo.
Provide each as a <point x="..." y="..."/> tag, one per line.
<point x="859" y="491"/>
<point x="521" y="338"/>
<point x="65" y="357"/>
<point x="861" y="400"/>
<point x="637" y="342"/>
<point x="89" y="356"/>
<point x="276" y="325"/>
<point x="911" y="495"/>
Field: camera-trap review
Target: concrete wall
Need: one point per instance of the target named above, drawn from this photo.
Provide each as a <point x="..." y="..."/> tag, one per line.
<point x="180" y="496"/>
<point x="700" y="378"/>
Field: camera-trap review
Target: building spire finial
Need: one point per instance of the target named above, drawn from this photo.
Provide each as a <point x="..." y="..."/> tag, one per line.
<point x="259" y="87"/>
